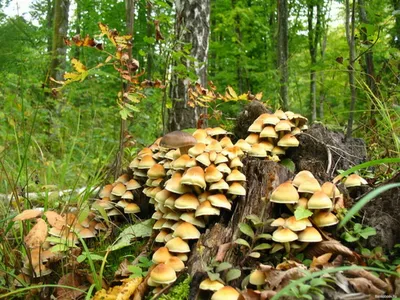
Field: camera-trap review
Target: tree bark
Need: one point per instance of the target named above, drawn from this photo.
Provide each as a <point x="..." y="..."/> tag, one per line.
<point x="59" y="50"/>
<point x="350" y="28"/>
<point x="283" y="53"/>
<point x="396" y="29"/>
<point x="193" y="27"/>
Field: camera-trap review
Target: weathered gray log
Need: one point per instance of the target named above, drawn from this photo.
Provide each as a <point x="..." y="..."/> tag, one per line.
<point x="262" y="178"/>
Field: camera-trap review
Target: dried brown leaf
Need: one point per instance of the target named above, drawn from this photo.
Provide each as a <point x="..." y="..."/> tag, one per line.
<point x="54" y="219"/>
<point x="321" y="260"/>
<point x="331" y="246"/>
<point x="123" y="269"/>
<point x="37" y="235"/>
<point x="27" y="214"/>
<point x="289" y="264"/>
<point x="278" y="279"/>
<point x="250" y="294"/>
<point x="266" y="295"/>
<point x="73" y="280"/>
<point x="363" y="285"/>
<point x="367" y="275"/>
<point x="222" y="249"/>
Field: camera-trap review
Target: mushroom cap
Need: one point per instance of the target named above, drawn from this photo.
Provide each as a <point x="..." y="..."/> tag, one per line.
<point x="236" y="175"/>
<point x="175" y="185"/>
<point x="269" y="132"/>
<point x="217" y="131"/>
<point x="212" y="174"/>
<point x="161" y="255"/>
<point x="288" y="140"/>
<point x="106" y="191"/>
<point x="256" y="126"/>
<point x="156" y="171"/>
<point x="267" y="146"/>
<point x="127" y="195"/>
<point x="191" y="218"/>
<point x="284" y="235"/>
<point x="186" y="231"/>
<point x="280" y="114"/>
<point x="310" y="235"/>
<point x="302" y="176"/>
<point x="187" y="201"/>
<point x="257" y="277"/>
<point x="280" y="222"/>
<point x="324" y="219"/>
<point x="226" y="293"/>
<point x="181" y="162"/>
<point x="252" y="138"/>
<point x="236" y="189"/>
<point x="235" y="163"/>
<point x="204" y="158"/>
<point x="206" y="209"/>
<point x="354" y="180"/>
<point x="284" y="125"/>
<point x="119" y="189"/>
<point x="330" y="189"/>
<point x="285" y="193"/>
<point x="214" y="145"/>
<point x="297" y="225"/>
<point x="197" y="149"/>
<point x="176" y="263"/>
<point x="226" y="142"/>
<point x="310" y="185"/>
<point x="210" y="285"/>
<point x="242" y="144"/>
<point x="200" y="135"/>
<point x="177" y="139"/>
<point x="223" y="168"/>
<point x="132" y="208"/>
<point x="194" y="176"/>
<point x="146" y="162"/>
<point x="177" y="245"/>
<point x="257" y="150"/>
<point x="162" y="195"/>
<point x="220" y="201"/>
<point x="159" y="223"/>
<point x="163" y="274"/>
<point x="220" y="185"/>
<point x="270" y="119"/>
<point x="220" y="159"/>
<point x="160" y="238"/>
<point x="319" y="200"/>
<point x="278" y="150"/>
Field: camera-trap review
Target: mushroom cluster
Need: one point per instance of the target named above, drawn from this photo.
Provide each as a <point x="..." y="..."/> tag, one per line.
<point x="304" y="191"/>
<point x="271" y="134"/>
<point x="189" y="179"/>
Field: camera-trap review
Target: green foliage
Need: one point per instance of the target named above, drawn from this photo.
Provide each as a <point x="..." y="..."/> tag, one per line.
<point x="222" y="272"/>
<point x="357" y="232"/>
<point x="138" y="230"/>
<point x="141" y="268"/>
<point x="180" y="291"/>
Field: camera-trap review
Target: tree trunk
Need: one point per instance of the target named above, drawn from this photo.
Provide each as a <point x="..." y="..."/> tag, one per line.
<point x="350" y="28"/>
<point x="192" y="26"/>
<point x="283" y="53"/>
<point x="149" y="32"/>
<point x="49" y="22"/>
<point x="322" y="94"/>
<point x="59" y="50"/>
<point x="78" y="12"/>
<point x="396" y="29"/>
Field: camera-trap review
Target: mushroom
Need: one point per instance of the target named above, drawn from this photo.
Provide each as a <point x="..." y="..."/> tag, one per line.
<point x="178" y="139"/>
<point x="211" y="285"/>
<point x="257" y="278"/>
<point x="163" y="274"/>
<point x="284" y="236"/>
<point x="226" y="293"/>
<point x="354" y="180"/>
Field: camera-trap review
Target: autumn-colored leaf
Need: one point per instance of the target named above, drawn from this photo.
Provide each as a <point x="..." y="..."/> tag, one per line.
<point x="321" y="260"/>
<point x="78" y="66"/>
<point x="331" y="246"/>
<point x="73" y="280"/>
<point x="363" y="285"/>
<point x="358" y="272"/>
<point x="27" y="214"/>
<point x="267" y="294"/>
<point x="37" y="235"/>
<point x="231" y="92"/>
<point x="258" y="96"/>
<point x="55" y="219"/>
<point x="289" y="264"/>
<point x="158" y="31"/>
<point x="250" y="294"/>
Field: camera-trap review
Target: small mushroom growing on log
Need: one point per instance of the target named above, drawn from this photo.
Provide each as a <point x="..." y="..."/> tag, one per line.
<point x="178" y="139"/>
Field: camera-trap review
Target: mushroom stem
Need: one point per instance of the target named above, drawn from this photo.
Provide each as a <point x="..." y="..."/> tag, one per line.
<point x="303" y="246"/>
<point x="185" y="149"/>
<point x="287" y="247"/>
<point x="290" y="206"/>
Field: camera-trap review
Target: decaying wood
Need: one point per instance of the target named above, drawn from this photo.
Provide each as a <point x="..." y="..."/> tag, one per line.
<point x="262" y="178"/>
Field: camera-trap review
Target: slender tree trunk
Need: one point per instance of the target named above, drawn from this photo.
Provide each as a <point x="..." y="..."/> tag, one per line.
<point x="192" y="26"/>
<point x="149" y="32"/>
<point x="49" y="22"/>
<point x="322" y="94"/>
<point x="283" y="52"/>
<point x="78" y="13"/>
<point x="396" y="29"/>
<point x="350" y="28"/>
<point x="59" y="50"/>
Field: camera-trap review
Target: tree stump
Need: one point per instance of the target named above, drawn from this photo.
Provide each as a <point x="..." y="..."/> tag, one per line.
<point x="262" y="178"/>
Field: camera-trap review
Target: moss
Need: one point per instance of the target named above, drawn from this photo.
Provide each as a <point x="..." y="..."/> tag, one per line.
<point x="179" y="292"/>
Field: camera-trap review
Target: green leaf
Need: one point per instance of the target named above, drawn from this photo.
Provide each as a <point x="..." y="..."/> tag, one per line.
<point x="265" y="236"/>
<point x="59" y="248"/>
<point x="318" y="282"/>
<point x="223" y="266"/>
<point x="364" y="200"/>
<point x="135" y="270"/>
<point x="233" y="274"/>
<point x="370" y="164"/>
<point x="365" y="252"/>
<point x="302" y="213"/>
<point x="245" y="282"/>
<point x="242" y="242"/>
<point x="81" y="258"/>
<point x="255" y="254"/>
<point x="304" y="288"/>
<point x="138" y="230"/>
<point x="96" y="257"/>
<point x="348" y="237"/>
<point x="213" y="276"/>
<point x="255" y="220"/>
<point x="246" y="229"/>
<point x="262" y="247"/>
<point x="288" y="163"/>
<point x="367" y="232"/>
<point x="142" y="53"/>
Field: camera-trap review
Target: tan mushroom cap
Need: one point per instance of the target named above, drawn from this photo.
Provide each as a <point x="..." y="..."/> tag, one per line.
<point x="256" y="126"/>
<point x="156" y="171"/>
<point x="284" y="125"/>
<point x="182" y="256"/>
<point x="187" y="202"/>
<point x="212" y="174"/>
<point x="145" y="151"/>
<point x="159" y="223"/>
<point x="278" y="150"/>
<point x="178" y="139"/>
<point x="186" y="231"/>
<point x="257" y="277"/>
<point x="163" y="274"/>
<point x="217" y="131"/>
<point x="172" y="215"/>
<point x="177" y="245"/>
<point x="223" y="168"/>
<point x="252" y="138"/>
<point x="269" y="132"/>
<point x="310" y="185"/>
<point x="200" y="135"/>
<point x="325" y="219"/>
<point x="197" y="149"/>
<point x="221" y="159"/>
<point x="285" y="193"/>
<point x="302" y="202"/>
<point x="271" y="119"/>
<point x="160" y="238"/>
<point x="147" y="162"/>
<point x="236" y="189"/>
<point x="319" y="200"/>
<point x="162" y="195"/>
<point x="226" y="142"/>
<point x="235" y="163"/>
<point x="242" y="144"/>
<point x="181" y="162"/>
<point x="284" y="235"/>
<point x="257" y="150"/>
<point x="204" y="159"/>
<point x="236" y="175"/>
<point x="267" y="146"/>
<point x="297" y="225"/>
<point x="288" y="140"/>
<point x="176" y="263"/>
<point x="279" y="222"/>
<point x="161" y="255"/>
<point x="301" y="177"/>
<point x="226" y="293"/>
<point x="175" y="185"/>
<point x="310" y="235"/>
<point x="206" y="209"/>
<point x="132" y="185"/>
<point x="220" y="185"/>
<point x="220" y="201"/>
<point x="214" y="145"/>
<point x="119" y="189"/>
<point x="210" y="285"/>
<point x="191" y="218"/>
<point x="106" y="191"/>
<point x="330" y="189"/>
<point x="354" y="180"/>
<point x="194" y="176"/>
